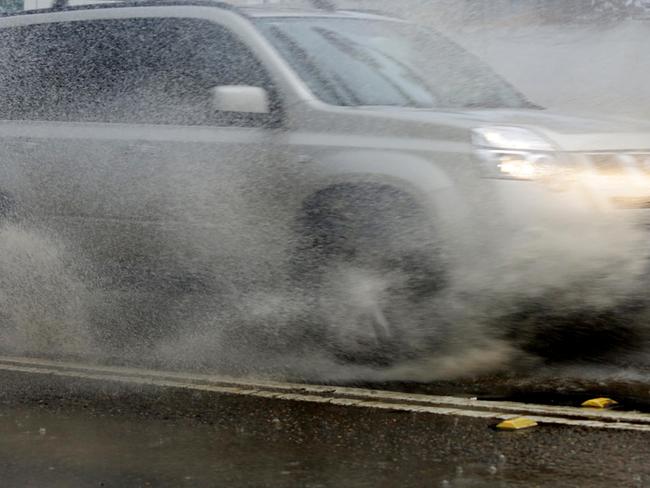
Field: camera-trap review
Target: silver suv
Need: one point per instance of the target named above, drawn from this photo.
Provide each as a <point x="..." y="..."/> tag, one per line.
<point x="366" y="165"/>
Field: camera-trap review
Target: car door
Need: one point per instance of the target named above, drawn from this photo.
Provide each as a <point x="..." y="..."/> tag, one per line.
<point x="54" y="151"/>
<point x="203" y="170"/>
<point x="115" y="148"/>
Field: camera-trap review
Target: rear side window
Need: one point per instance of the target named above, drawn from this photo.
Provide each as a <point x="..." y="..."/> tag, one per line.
<point x="156" y="71"/>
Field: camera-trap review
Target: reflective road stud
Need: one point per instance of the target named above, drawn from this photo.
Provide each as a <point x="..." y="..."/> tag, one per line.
<point x="600" y="403"/>
<point x="516" y="423"/>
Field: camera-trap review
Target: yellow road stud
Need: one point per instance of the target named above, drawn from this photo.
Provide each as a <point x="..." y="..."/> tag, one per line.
<point x="599" y="403"/>
<point x="516" y="423"/>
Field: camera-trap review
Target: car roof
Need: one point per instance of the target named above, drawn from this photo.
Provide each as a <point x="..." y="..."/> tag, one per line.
<point x="261" y="11"/>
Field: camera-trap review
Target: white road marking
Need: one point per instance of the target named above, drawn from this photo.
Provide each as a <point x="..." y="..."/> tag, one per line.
<point x="334" y="395"/>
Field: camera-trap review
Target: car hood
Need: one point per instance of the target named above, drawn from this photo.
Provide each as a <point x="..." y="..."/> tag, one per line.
<point x="566" y="132"/>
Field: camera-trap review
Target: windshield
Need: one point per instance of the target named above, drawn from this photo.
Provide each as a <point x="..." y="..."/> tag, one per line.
<point x="358" y="62"/>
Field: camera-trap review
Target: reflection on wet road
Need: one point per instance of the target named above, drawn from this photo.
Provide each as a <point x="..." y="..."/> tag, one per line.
<point x="40" y="446"/>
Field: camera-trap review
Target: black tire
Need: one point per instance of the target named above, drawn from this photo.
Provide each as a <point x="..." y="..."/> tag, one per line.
<point x="582" y="334"/>
<point x="370" y="258"/>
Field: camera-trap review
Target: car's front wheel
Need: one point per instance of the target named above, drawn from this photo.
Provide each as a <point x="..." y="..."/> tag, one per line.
<point x="372" y="260"/>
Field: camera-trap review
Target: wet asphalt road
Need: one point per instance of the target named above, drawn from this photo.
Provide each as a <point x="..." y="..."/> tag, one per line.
<point x="44" y="447"/>
<point x="58" y="432"/>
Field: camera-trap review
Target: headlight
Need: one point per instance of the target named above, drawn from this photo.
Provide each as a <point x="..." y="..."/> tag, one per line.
<point x="515" y="153"/>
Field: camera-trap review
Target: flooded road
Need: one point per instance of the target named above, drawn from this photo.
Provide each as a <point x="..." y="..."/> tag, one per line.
<point x="68" y="429"/>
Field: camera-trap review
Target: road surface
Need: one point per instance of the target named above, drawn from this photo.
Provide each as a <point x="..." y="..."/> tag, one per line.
<point x="67" y="425"/>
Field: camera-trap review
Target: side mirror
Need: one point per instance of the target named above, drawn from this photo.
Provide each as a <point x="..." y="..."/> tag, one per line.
<point x="240" y="99"/>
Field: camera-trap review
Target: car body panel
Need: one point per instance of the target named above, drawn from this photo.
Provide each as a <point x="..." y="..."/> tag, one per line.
<point x="218" y="200"/>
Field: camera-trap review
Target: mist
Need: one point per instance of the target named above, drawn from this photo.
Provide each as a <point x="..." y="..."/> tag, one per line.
<point x="567" y="288"/>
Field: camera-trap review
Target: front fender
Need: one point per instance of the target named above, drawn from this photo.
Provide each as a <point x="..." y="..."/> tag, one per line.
<point x="408" y="169"/>
<point x="421" y="177"/>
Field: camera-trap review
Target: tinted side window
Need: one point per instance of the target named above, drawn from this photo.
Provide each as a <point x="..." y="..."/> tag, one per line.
<point x="155" y="71"/>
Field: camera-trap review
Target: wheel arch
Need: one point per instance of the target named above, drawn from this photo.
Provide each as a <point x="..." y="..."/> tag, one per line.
<point x="409" y="172"/>
<point x="422" y="179"/>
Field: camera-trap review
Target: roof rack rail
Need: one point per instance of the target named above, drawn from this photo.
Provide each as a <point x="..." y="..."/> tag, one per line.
<point x="65" y="4"/>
